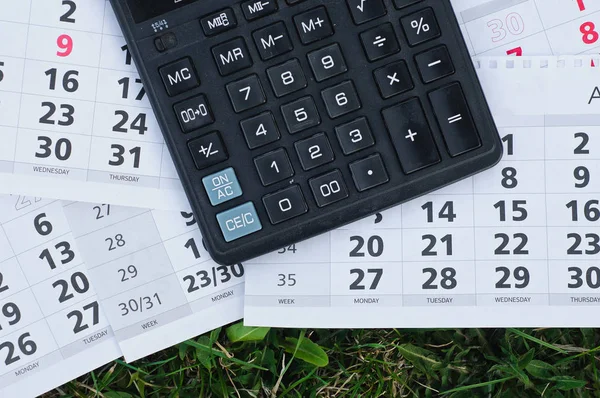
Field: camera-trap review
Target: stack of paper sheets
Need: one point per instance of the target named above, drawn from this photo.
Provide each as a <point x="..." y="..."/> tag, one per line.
<point x="101" y="258"/>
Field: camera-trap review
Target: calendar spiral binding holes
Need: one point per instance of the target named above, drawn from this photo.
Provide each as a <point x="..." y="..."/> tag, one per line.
<point x="539" y="62"/>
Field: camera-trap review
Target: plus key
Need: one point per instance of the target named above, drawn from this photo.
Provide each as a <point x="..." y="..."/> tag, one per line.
<point x="411" y="135"/>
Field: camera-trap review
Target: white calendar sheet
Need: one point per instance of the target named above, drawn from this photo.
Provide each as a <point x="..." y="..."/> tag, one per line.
<point x="52" y="328"/>
<point x="157" y="284"/>
<point x="518" y="245"/>
<point x="74" y="119"/>
<point x="76" y="124"/>
<point x="530" y="27"/>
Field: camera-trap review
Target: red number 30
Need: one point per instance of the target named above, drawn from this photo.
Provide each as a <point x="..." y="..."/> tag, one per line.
<point x="65" y="44"/>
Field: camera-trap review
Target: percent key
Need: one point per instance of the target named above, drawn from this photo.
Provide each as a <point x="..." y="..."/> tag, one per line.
<point x="420" y="27"/>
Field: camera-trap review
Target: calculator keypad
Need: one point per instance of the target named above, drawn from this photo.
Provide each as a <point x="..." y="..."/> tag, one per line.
<point x="434" y="64"/>
<point x="329" y="188"/>
<point x="246" y="93"/>
<point x="287" y="78"/>
<point x="219" y="22"/>
<point x="285" y="204"/>
<point x="239" y="222"/>
<point x="380" y="42"/>
<point x="313" y="25"/>
<point x="411" y="135"/>
<point x="327" y="62"/>
<point x="222" y="186"/>
<point x="314" y="151"/>
<point x="300" y="115"/>
<point x="365" y="11"/>
<point x="232" y="56"/>
<point x="405" y="3"/>
<point x="260" y="130"/>
<point x="272" y="41"/>
<point x="455" y="119"/>
<point x="179" y="77"/>
<point x="307" y="107"/>
<point x="369" y="173"/>
<point x="208" y="150"/>
<point x="393" y="79"/>
<point x="420" y="27"/>
<point x="194" y="113"/>
<point x="355" y="136"/>
<point x="341" y="99"/>
<point x="274" y="167"/>
<point x="254" y="9"/>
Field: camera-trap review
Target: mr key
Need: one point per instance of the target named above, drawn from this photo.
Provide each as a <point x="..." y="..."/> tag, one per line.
<point x="288" y="118"/>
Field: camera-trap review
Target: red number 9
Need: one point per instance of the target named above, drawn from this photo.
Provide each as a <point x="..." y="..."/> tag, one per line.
<point x="65" y="43"/>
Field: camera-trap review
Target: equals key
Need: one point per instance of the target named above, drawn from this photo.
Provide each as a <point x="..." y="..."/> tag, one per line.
<point x="455" y="119"/>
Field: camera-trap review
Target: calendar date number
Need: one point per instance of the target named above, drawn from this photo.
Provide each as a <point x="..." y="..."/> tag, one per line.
<point x="519" y="278"/>
<point x="446" y="279"/>
<point x="24" y="345"/>
<point x="79" y="316"/>
<point x="3" y="287"/>
<point x="78" y="283"/>
<point x="368" y="279"/>
<point x="139" y="304"/>
<point x="213" y="277"/>
<point x="286" y="280"/>
<point x="69" y="82"/>
<point x="65" y="251"/>
<point x="11" y="313"/>
<point x="61" y="149"/>
<point x="373" y="246"/>
<point x="581" y="277"/>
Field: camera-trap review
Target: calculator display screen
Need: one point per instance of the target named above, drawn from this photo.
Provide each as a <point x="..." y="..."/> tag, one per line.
<point x="143" y="10"/>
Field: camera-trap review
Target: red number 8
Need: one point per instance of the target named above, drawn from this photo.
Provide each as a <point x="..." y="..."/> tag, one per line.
<point x="588" y="29"/>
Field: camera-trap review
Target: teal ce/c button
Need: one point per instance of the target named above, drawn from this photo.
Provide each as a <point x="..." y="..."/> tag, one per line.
<point x="239" y="222"/>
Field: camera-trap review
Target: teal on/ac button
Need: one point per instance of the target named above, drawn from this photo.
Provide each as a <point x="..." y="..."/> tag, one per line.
<point x="222" y="186"/>
<point x="239" y="222"/>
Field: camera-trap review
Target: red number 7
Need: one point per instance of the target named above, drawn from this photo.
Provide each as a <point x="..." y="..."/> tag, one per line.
<point x="518" y="51"/>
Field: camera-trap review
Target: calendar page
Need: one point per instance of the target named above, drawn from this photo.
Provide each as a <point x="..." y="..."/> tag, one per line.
<point x="517" y="245"/>
<point x="76" y="123"/>
<point x="154" y="278"/>
<point x="52" y="328"/>
<point x="529" y="27"/>
<point x="74" y="118"/>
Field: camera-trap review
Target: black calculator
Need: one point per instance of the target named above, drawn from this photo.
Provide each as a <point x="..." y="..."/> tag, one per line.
<point x="289" y="118"/>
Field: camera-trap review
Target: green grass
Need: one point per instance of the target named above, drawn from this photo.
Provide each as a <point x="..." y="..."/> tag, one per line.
<point x="359" y="363"/>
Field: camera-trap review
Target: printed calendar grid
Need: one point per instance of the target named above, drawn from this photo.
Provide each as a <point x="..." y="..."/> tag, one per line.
<point x="100" y="144"/>
<point x="500" y="27"/>
<point x="42" y="345"/>
<point x="159" y="278"/>
<point x="555" y="157"/>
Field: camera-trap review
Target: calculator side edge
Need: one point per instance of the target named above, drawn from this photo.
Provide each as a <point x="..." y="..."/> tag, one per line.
<point x="122" y="18"/>
<point x="125" y="23"/>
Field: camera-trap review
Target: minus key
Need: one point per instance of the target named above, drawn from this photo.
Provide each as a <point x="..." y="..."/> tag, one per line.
<point x="434" y="64"/>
